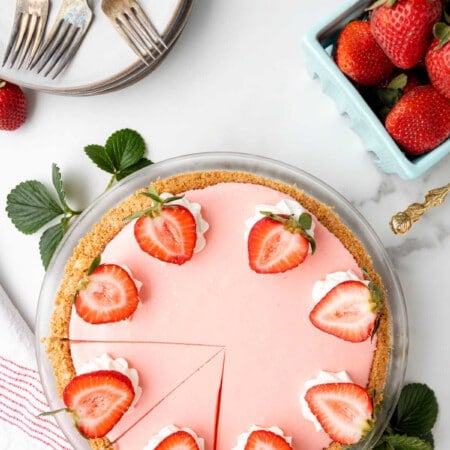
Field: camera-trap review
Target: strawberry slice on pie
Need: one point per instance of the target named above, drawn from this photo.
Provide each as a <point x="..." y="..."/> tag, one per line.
<point x="349" y="311"/>
<point x="165" y="230"/>
<point x="106" y="294"/>
<point x="278" y="242"/>
<point x="97" y="401"/>
<point x="343" y="409"/>
<point x="180" y="440"/>
<point x="266" y="440"/>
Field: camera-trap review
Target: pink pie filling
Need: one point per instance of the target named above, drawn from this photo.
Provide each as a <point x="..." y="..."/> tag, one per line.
<point x="237" y="346"/>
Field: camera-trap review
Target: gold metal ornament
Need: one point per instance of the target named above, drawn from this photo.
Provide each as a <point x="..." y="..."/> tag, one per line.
<point x="402" y="221"/>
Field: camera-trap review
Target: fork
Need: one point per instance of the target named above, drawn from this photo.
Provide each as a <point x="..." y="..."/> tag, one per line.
<point x="135" y="27"/>
<point x="70" y="27"/>
<point x="30" y="19"/>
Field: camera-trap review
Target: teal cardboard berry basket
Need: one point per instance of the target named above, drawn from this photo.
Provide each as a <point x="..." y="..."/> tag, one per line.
<point x="319" y="43"/>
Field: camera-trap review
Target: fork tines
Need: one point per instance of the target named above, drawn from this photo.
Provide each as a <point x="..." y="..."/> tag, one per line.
<point x="65" y="37"/>
<point x="136" y="28"/>
<point x="27" y="33"/>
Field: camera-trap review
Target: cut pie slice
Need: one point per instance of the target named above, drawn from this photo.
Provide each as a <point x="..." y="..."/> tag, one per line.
<point x="162" y="369"/>
<point x="193" y="404"/>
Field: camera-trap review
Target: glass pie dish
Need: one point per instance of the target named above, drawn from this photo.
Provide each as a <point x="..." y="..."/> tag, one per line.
<point x="259" y="166"/>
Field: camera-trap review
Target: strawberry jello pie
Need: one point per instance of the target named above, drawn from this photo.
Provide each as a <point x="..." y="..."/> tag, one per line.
<point x="219" y="310"/>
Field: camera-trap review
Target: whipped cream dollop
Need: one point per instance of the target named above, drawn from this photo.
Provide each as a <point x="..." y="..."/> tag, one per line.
<point x="105" y="362"/>
<point x="322" y="378"/>
<point x="286" y="207"/>
<point x="322" y="287"/>
<point x="243" y="437"/>
<point x="201" y="226"/>
<point x="137" y="282"/>
<point x="155" y="440"/>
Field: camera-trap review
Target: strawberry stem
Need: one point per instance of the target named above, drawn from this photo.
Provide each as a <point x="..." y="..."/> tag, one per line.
<point x="52" y="413"/>
<point x="157" y="205"/>
<point x="302" y="225"/>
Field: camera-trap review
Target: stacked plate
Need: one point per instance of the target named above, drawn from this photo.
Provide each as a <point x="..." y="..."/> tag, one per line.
<point x="104" y="61"/>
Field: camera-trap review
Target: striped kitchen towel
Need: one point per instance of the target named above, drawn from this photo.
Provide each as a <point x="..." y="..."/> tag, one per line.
<point x="21" y="396"/>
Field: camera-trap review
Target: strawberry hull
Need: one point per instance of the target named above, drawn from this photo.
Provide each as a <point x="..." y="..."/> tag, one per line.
<point x="319" y="44"/>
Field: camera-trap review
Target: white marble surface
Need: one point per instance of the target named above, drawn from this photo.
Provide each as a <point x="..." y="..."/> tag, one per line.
<point x="236" y="81"/>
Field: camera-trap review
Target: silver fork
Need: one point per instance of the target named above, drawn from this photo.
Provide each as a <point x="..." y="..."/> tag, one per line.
<point x="135" y="27"/>
<point x="30" y="19"/>
<point x="70" y="27"/>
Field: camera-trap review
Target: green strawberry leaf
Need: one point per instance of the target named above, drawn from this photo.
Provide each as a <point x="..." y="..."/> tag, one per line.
<point x="416" y="410"/>
<point x="95" y="263"/>
<point x="441" y="31"/>
<point x="398" y="82"/>
<point x="122" y="155"/>
<point x="305" y="221"/>
<point x="143" y="162"/>
<point x="428" y="437"/>
<point x="125" y="148"/>
<point x="376" y="4"/>
<point x="30" y="206"/>
<point x="99" y="156"/>
<point x="398" y="442"/>
<point x="59" y="187"/>
<point x="49" y="241"/>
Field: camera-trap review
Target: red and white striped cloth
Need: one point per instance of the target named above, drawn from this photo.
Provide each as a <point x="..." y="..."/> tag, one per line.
<point x="21" y="396"/>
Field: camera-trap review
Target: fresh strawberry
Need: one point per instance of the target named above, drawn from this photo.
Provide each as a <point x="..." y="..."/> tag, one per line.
<point x="403" y="28"/>
<point x="106" y="294"/>
<point x="266" y="440"/>
<point x="277" y="243"/>
<point x="180" y="440"/>
<point x="360" y="57"/>
<point x="348" y="311"/>
<point x="13" y="106"/>
<point x="343" y="409"/>
<point x="166" y="231"/>
<point x="437" y="59"/>
<point x="420" y="121"/>
<point x="97" y="400"/>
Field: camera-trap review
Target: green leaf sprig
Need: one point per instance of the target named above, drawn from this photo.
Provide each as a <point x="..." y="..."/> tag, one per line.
<point x="413" y="419"/>
<point x="122" y="154"/>
<point x="31" y="205"/>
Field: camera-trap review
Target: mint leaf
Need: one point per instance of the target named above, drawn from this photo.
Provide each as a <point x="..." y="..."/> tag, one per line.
<point x="30" y="206"/>
<point x="143" y="162"/>
<point x="125" y="148"/>
<point x="416" y="410"/>
<point x="397" y="442"/>
<point x="99" y="156"/>
<point x="49" y="241"/>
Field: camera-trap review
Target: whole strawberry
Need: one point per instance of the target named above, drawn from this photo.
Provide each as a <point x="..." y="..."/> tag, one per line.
<point x="13" y="106"/>
<point x="420" y="121"/>
<point x="437" y="59"/>
<point x="360" y="57"/>
<point x="403" y="28"/>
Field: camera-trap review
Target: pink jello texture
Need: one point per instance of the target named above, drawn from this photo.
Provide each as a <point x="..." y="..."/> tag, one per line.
<point x="258" y="325"/>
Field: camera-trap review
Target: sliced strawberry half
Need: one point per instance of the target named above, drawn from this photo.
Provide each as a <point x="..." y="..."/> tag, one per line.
<point x="106" y="294"/>
<point x="180" y="440"/>
<point x="165" y="230"/>
<point x="97" y="400"/>
<point x="266" y="440"/>
<point x="348" y="311"/>
<point x="343" y="409"/>
<point x="277" y="243"/>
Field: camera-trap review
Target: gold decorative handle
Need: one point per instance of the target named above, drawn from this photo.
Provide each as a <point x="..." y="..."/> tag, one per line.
<point x="403" y="221"/>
